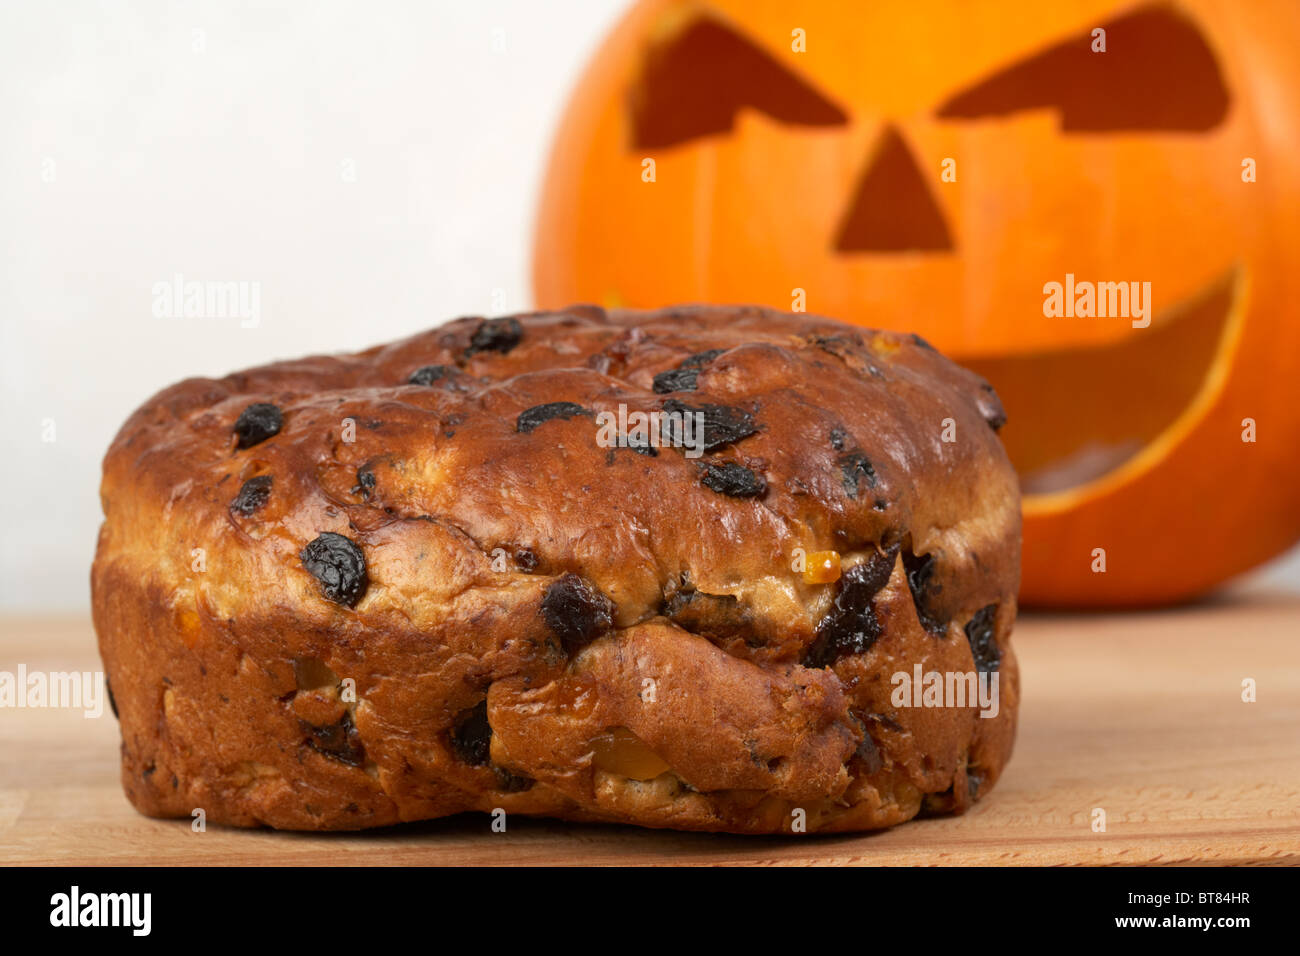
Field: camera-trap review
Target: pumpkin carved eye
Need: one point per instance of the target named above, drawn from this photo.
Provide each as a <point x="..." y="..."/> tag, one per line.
<point x="1157" y="73"/>
<point x="695" y="78"/>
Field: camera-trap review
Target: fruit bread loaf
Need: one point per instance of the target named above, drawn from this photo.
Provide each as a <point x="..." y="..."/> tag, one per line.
<point x="709" y="568"/>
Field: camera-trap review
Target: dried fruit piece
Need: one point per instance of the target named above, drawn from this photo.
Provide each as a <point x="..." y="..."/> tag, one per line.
<point x="700" y="359"/>
<point x="925" y="590"/>
<point x="854" y="468"/>
<point x="499" y="759"/>
<point x="821" y="567"/>
<point x="723" y="424"/>
<point x="495" y="335"/>
<point x="339" y="741"/>
<point x="685" y="377"/>
<point x="719" y="617"/>
<point x="848" y="349"/>
<point x="428" y="374"/>
<point x="990" y="407"/>
<point x="839" y="438"/>
<point x="837" y="345"/>
<point x="365" y="482"/>
<point x="257" y="423"/>
<point x="622" y="752"/>
<point x="980" y="634"/>
<point x="850" y="626"/>
<point x="640" y="444"/>
<point x="252" y="495"/>
<point x="676" y="380"/>
<point x="530" y="418"/>
<point x="576" y="611"/>
<point x="869" y="751"/>
<point x="512" y="782"/>
<point x="733" y="480"/>
<point x="526" y="560"/>
<point x="881" y="720"/>
<point x="339" y="565"/>
<point x="475" y="744"/>
<point x="472" y="735"/>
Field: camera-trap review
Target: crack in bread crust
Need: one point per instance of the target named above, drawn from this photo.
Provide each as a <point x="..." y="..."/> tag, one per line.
<point x="680" y="631"/>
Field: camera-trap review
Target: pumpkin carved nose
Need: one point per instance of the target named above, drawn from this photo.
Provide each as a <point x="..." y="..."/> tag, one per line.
<point x="892" y="209"/>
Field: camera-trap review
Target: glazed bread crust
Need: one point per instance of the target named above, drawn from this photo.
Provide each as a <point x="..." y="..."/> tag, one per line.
<point x="516" y="615"/>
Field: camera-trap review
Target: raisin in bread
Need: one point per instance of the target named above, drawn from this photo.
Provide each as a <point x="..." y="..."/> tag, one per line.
<point x="459" y="572"/>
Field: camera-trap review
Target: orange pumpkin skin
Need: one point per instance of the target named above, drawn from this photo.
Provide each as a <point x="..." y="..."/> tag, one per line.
<point x="751" y="213"/>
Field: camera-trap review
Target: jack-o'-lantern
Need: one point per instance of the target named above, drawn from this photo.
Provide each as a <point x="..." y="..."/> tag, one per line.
<point x="997" y="177"/>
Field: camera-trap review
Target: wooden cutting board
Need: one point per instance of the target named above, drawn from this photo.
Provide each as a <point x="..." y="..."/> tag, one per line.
<point x="1140" y="715"/>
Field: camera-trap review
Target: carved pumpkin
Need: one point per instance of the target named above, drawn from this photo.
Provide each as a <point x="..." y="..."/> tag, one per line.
<point x="747" y="150"/>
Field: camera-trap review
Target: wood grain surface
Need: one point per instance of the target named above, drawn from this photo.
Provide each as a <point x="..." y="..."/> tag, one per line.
<point x="1138" y="714"/>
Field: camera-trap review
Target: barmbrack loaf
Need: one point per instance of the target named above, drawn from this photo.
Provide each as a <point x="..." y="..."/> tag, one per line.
<point x="708" y="568"/>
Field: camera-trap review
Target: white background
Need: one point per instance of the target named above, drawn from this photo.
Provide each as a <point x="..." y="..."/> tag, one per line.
<point x="143" y="139"/>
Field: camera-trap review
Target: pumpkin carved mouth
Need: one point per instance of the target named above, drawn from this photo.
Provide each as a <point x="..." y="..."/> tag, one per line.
<point x="1082" y="418"/>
